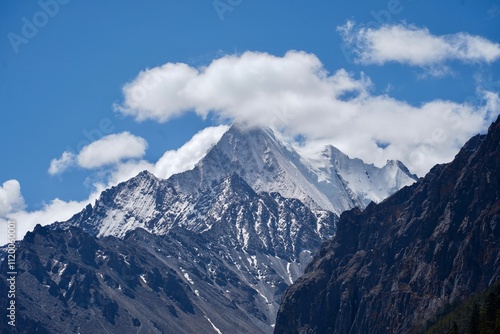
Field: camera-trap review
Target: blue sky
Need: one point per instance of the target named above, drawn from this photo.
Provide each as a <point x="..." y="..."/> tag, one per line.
<point x="61" y="84"/>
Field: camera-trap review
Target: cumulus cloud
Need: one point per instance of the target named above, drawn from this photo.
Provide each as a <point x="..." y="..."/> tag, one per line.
<point x="10" y="197"/>
<point x="109" y="150"/>
<point x="253" y="85"/>
<point x="297" y="95"/>
<point x="112" y="149"/>
<point x="416" y="46"/>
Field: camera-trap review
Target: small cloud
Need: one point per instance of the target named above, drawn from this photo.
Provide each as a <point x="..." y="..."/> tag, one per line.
<point x="10" y="197"/>
<point x="416" y="46"/>
<point x="56" y="210"/>
<point x="111" y="150"/>
<point x="58" y="166"/>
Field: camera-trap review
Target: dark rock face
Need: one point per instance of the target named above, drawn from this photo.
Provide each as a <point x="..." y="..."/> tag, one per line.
<point x="71" y="282"/>
<point x="393" y="266"/>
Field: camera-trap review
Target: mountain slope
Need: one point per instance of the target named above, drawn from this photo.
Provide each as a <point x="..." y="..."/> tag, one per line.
<point x="394" y="265"/>
<point x="192" y="199"/>
<point x="71" y="282"/>
<point x="366" y="182"/>
<point x="263" y="241"/>
<point x="230" y="207"/>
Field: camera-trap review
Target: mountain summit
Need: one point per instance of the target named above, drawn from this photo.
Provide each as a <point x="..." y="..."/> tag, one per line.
<point x="330" y="180"/>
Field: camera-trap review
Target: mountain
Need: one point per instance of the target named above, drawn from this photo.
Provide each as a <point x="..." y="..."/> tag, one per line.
<point x="365" y="182"/>
<point x="330" y="180"/>
<point x="230" y="211"/>
<point x="225" y="254"/>
<point x="395" y="265"/>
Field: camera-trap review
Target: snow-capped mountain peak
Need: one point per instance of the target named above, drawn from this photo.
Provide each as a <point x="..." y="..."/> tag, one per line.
<point x="364" y="182"/>
<point x="329" y="180"/>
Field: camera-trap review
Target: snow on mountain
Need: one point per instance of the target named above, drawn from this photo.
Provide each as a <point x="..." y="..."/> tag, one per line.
<point x="196" y="199"/>
<point x="263" y="238"/>
<point x="329" y="180"/>
<point x="364" y="182"/>
<point x="229" y="210"/>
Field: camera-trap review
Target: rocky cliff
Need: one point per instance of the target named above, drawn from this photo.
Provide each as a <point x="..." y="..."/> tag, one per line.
<point x="391" y="267"/>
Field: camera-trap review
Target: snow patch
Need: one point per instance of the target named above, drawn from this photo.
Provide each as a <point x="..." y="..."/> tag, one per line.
<point x="63" y="269"/>
<point x="290" y="278"/>
<point x="186" y="276"/>
<point x="213" y="325"/>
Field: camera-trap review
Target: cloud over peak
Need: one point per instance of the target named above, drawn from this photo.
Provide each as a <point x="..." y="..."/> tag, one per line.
<point x="253" y="85"/>
<point x="297" y="95"/>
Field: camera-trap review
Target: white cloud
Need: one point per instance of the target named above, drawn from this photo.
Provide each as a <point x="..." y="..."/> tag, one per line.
<point x="173" y="161"/>
<point x="10" y="197"/>
<point x="416" y="46"/>
<point x="112" y="149"/>
<point x="56" y="210"/>
<point x="58" y="166"/>
<point x="186" y="157"/>
<point x="252" y="85"/>
<point x="109" y="150"/>
<point x="296" y="94"/>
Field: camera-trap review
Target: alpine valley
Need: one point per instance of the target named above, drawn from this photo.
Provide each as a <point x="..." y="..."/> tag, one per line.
<point x="209" y="250"/>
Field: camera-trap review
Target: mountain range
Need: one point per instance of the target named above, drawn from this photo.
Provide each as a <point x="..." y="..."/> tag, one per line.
<point x="211" y="249"/>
